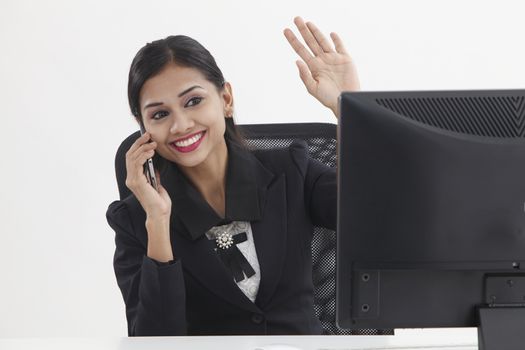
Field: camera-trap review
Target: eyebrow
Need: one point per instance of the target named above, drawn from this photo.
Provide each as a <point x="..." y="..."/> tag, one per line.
<point x="154" y="104"/>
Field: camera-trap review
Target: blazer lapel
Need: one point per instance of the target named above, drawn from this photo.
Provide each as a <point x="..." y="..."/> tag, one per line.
<point x="201" y="261"/>
<point x="268" y="221"/>
<point x="270" y="240"/>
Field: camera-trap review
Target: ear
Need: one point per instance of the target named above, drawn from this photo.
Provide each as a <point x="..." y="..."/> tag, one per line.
<point x="227" y="99"/>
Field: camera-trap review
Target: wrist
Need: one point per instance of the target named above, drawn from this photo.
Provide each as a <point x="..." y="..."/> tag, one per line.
<point x="335" y="110"/>
<point x="160" y="250"/>
<point x="158" y="224"/>
<point x="159" y="240"/>
<point x="157" y="218"/>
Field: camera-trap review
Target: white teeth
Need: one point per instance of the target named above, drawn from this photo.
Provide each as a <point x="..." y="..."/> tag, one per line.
<point x="190" y="141"/>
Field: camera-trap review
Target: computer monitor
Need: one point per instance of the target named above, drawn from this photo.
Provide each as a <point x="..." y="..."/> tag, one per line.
<point x="431" y="211"/>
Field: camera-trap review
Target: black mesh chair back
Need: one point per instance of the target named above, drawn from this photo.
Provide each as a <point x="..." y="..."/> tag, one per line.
<point x="322" y="143"/>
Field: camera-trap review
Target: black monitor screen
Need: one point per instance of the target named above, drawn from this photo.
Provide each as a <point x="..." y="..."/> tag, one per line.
<point x="431" y="208"/>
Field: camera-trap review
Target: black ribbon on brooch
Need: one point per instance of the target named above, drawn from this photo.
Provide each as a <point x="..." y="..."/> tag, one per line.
<point x="235" y="260"/>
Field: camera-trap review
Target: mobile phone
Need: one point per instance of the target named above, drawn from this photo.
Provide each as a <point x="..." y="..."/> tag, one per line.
<point x="149" y="170"/>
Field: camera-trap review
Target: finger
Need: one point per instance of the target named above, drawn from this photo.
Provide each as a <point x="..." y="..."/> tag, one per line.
<point x="138" y="142"/>
<point x="320" y="38"/>
<point x="143" y="158"/>
<point x="306" y="76"/>
<point x="136" y="160"/>
<point x="297" y="45"/>
<point x="307" y="36"/>
<point x="143" y="148"/>
<point x="339" y="47"/>
<point x="135" y="168"/>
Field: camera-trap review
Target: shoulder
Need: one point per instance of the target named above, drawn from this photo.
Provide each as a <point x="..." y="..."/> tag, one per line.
<point x="294" y="157"/>
<point x="125" y="214"/>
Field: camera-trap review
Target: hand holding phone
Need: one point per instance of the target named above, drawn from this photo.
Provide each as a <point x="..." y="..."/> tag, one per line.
<point x="156" y="203"/>
<point x="149" y="170"/>
<point x="141" y="180"/>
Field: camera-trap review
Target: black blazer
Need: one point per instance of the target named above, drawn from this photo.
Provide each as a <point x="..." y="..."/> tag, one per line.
<point x="283" y="193"/>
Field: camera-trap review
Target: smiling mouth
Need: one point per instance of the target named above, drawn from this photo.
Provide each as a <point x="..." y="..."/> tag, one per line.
<point x="189" y="144"/>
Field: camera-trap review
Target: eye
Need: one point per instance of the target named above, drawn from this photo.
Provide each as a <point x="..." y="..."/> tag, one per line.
<point x="193" y="101"/>
<point x="159" y="115"/>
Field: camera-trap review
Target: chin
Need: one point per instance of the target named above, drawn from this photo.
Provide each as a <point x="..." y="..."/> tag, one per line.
<point x="189" y="161"/>
<point x="186" y="164"/>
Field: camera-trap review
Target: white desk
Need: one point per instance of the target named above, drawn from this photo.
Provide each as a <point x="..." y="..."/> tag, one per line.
<point x="420" y="340"/>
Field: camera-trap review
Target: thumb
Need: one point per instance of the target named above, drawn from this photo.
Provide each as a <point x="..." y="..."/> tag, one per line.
<point x="164" y="195"/>
<point x="162" y="191"/>
<point x="306" y="77"/>
<point x="157" y="176"/>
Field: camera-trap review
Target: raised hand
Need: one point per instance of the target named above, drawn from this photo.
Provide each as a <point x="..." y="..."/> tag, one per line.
<point x="326" y="70"/>
<point x="155" y="204"/>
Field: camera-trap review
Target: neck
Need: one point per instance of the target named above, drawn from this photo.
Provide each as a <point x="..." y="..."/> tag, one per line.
<point x="209" y="178"/>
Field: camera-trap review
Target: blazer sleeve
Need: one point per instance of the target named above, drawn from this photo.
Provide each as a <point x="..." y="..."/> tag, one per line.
<point x="320" y="186"/>
<point x="154" y="293"/>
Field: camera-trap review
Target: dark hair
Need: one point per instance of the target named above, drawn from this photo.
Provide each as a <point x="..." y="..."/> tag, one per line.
<point x="184" y="51"/>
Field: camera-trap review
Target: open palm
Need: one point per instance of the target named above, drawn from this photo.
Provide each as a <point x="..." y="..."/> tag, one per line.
<point x="326" y="70"/>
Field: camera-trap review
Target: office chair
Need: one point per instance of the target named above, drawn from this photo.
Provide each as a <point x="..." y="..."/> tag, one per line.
<point x="322" y="144"/>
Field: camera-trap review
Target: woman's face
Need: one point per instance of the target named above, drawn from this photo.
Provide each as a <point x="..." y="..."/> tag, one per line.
<point x="184" y="113"/>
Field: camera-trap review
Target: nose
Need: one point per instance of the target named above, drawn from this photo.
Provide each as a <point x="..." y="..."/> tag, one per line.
<point x="181" y="124"/>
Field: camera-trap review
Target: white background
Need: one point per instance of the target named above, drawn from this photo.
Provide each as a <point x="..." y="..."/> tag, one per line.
<point x="63" y="103"/>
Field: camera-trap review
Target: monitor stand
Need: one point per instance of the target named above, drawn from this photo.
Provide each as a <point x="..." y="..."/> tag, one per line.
<point x="502" y="319"/>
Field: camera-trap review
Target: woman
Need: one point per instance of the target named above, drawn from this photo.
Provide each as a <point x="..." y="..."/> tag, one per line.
<point x="223" y="247"/>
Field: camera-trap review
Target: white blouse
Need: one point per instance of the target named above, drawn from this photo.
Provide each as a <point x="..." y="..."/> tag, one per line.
<point x="249" y="286"/>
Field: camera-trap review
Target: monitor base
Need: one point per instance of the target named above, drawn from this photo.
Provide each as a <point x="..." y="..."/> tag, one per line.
<point x="501" y="328"/>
